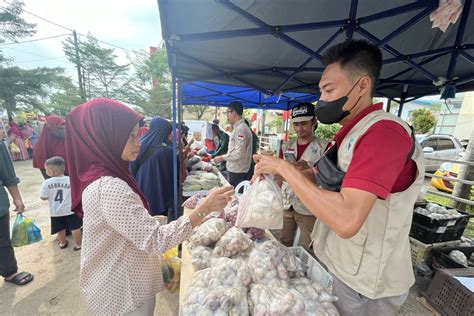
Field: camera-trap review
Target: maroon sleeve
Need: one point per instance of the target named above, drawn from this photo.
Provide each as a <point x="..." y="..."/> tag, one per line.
<point x="379" y="158"/>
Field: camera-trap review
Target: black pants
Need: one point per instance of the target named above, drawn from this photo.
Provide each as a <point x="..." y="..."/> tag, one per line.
<point x="236" y="178"/>
<point x="8" y="264"/>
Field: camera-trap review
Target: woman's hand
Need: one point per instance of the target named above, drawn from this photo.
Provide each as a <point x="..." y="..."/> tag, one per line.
<point x="214" y="202"/>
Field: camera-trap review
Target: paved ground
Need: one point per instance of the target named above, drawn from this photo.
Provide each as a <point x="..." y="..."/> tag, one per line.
<point x="55" y="290"/>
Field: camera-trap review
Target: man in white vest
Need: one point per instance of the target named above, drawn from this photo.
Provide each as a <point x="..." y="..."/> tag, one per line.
<point x="239" y="154"/>
<point x="367" y="184"/>
<point x="303" y="151"/>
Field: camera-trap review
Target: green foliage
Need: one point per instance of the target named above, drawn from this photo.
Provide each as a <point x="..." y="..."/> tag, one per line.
<point x="138" y="89"/>
<point x="12" y="25"/>
<point x="276" y="123"/>
<point x="103" y="75"/>
<point x="63" y="98"/>
<point x="27" y="88"/>
<point x="423" y="120"/>
<point x="327" y="132"/>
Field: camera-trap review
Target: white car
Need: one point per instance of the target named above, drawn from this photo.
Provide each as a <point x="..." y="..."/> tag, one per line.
<point x="439" y="146"/>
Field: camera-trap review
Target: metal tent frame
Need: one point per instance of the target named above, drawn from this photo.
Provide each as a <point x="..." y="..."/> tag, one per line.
<point x="198" y="56"/>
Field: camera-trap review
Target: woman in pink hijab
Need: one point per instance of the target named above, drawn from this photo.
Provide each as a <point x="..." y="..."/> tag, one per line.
<point x="51" y="142"/>
<point x="122" y="244"/>
<point x="14" y="134"/>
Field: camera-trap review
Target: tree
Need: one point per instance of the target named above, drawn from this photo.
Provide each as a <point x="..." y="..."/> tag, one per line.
<point x="12" y="25"/>
<point x="423" y="120"/>
<point x="25" y="88"/>
<point x="198" y="110"/>
<point x="276" y="123"/>
<point x="327" y="132"/>
<point x="65" y="96"/>
<point x="149" y="87"/>
<point x="105" y="74"/>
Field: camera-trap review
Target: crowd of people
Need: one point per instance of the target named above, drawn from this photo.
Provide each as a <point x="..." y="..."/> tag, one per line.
<point x="352" y="198"/>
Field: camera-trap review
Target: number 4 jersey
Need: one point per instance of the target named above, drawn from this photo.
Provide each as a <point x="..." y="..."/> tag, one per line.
<point x="57" y="191"/>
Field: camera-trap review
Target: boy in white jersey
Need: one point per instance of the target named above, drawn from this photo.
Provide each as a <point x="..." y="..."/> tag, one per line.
<point x="57" y="191"/>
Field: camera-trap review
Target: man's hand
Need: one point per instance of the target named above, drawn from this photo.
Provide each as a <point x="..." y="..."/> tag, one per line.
<point x="19" y="206"/>
<point x="268" y="165"/>
<point x="219" y="159"/>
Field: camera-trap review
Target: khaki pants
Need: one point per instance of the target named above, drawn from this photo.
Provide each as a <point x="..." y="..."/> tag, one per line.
<point x="292" y="220"/>
<point x="350" y="302"/>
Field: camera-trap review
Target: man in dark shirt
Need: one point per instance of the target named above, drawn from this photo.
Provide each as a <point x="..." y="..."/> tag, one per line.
<point x="223" y="144"/>
<point x="8" y="179"/>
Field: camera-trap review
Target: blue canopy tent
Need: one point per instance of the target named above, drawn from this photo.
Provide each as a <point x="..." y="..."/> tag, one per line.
<point x="274" y="47"/>
<point x="214" y="94"/>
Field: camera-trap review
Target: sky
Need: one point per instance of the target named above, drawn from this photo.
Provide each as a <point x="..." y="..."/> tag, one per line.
<point x="131" y="25"/>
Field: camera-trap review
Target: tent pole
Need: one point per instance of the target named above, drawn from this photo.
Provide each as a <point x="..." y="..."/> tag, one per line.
<point x="175" y="152"/>
<point x="402" y="100"/>
<point x="180" y="144"/>
<point x="388" y="104"/>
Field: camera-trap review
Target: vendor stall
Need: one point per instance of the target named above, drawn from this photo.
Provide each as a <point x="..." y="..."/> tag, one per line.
<point x="260" y="275"/>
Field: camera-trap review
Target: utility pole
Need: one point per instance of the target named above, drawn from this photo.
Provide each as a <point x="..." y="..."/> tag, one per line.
<point x="78" y="66"/>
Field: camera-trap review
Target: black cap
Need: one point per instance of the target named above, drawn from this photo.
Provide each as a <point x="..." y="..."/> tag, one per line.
<point x="302" y="112"/>
<point x="237" y="107"/>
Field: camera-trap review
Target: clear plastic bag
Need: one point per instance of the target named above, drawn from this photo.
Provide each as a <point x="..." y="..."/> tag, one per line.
<point x="274" y="300"/>
<point x="201" y="257"/>
<point x="272" y="263"/>
<point x="208" y="232"/>
<point x="261" y="206"/>
<point x="233" y="242"/>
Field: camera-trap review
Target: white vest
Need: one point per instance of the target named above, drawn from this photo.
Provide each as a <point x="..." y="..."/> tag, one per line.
<point x="376" y="262"/>
<point x="312" y="154"/>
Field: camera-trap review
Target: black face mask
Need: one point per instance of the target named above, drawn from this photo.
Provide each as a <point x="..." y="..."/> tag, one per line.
<point x="330" y="112"/>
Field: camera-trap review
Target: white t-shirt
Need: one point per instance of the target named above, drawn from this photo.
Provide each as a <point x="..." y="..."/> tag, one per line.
<point x="58" y="192"/>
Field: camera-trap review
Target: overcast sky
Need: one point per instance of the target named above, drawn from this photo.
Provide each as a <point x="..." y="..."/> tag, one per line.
<point x="132" y="25"/>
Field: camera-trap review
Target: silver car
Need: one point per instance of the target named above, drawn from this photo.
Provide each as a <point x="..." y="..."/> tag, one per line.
<point x="439" y="146"/>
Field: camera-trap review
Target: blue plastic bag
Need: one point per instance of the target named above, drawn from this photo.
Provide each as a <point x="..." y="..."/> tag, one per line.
<point x="25" y="232"/>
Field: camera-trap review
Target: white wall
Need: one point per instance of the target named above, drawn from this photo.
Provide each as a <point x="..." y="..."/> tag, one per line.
<point x="465" y="122"/>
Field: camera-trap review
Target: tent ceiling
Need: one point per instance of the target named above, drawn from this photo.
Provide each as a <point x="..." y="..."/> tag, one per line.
<point x="275" y="45"/>
<point x="207" y="93"/>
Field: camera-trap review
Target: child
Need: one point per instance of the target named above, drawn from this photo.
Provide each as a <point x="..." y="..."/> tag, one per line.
<point x="57" y="191"/>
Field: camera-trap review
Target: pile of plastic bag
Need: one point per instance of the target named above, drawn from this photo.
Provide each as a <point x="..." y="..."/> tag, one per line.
<point x="436" y="211"/>
<point x="204" y="181"/>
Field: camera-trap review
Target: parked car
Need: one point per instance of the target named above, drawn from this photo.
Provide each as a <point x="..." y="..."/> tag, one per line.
<point x="439" y="146"/>
<point x="446" y="169"/>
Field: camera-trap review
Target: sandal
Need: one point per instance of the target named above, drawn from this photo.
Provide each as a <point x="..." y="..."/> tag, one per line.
<point x="21" y="278"/>
<point x="76" y="248"/>
<point x="63" y="246"/>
